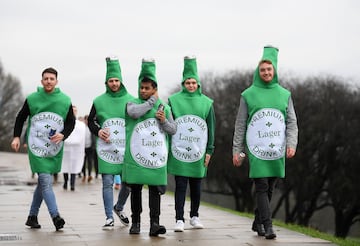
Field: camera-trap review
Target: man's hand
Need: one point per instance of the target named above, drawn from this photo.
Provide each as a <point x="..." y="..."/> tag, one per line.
<point x="290" y="152"/>
<point x="57" y="138"/>
<point x="160" y="115"/>
<point x="238" y="159"/>
<point x="104" y="134"/>
<point x="15" y="144"/>
<point x="207" y="160"/>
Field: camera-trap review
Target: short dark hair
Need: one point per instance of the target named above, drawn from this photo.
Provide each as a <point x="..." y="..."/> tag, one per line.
<point x="50" y="70"/>
<point x="265" y="61"/>
<point x="147" y="79"/>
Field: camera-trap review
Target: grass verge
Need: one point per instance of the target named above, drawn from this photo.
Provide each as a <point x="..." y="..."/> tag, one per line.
<point x="301" y="229"/>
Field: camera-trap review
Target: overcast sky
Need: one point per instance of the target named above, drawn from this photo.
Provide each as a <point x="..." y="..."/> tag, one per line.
<point x="314" y="37"/>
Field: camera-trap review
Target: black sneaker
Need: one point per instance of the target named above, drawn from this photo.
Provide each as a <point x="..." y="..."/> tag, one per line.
<point x="32" y="221"/>
<point x="259" y="228"/>
<point x="269" y="233"/>
<point x="122" y="216"/>
<point x="135" y="228"/>
<point x="156" y="229"/>
<point x="58" y="222"/>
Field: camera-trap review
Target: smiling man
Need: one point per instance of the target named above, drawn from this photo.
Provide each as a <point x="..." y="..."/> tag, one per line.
<point x="193" y="143"/>
<point x="51" y="120"/>
<point x="107" y="122"/>
<point x="266" y="122"/>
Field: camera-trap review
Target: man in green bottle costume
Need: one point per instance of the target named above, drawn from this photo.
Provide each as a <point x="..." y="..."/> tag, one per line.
<point x="107" y="122"/>
<point x="51" y="120"/>
<point x="267" y="122"/>
<point x="193" y="143"/>
<point x="148" y="123"/>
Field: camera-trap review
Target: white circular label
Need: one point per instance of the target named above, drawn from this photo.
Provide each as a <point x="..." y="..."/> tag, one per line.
<point x="41" y="125"/>
<point x="188" y="144"/>
<point x="265" y="134"/>
<point x="148" y="144"/>
<point x="113" y="152"/>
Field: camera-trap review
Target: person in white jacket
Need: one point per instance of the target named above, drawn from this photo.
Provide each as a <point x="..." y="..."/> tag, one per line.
<point x="74" y="152"/>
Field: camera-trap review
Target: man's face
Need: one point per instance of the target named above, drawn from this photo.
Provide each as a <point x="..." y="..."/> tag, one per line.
<point x="146" y="90"/>
<point x="191" y="85"/>
<point x="49" y="81"/>
<point x="266" y="72"/>
<point x="114" y="84"/>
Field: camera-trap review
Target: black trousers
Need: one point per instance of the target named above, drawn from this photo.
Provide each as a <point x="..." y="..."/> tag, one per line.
<point x="264" y="188"/>
<point x="180" y="195"/>
<point x="136" y="203"/>
<point x="72" y="179"/>
<point x="89" y="159"/>
<point x="96" y="163"/>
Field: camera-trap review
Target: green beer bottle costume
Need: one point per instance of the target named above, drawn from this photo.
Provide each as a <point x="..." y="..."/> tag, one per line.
<point x="110" y="113"/>
<point x="193" y="141"/>
<point x="51" y="121"/>
<point x="47" y="111"/>
<point x="266" y="121"/>
<point x="265" y="137"/>
<point x="194" y="136"/>
<point x="146" y="151"/>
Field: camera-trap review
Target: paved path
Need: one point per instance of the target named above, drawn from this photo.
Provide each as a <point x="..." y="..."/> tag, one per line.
<point x="83" y="212"/>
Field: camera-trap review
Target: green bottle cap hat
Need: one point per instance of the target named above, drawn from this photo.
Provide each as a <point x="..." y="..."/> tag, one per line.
<point x="270" y="53"/>
<point x="148" y="70"/>
<point x="113" y="69"/>
<point x="190" y="69"/>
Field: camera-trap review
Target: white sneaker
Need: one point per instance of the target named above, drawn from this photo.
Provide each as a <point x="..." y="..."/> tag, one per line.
<point x="109" y="224"/>
<point x="179" y="226"/>
<point x="196" y="223"/>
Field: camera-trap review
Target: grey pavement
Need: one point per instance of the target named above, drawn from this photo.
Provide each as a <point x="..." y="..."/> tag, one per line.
<point x="84" y="214"/>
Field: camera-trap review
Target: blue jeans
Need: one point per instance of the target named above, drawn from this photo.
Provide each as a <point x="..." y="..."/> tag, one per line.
<point x="108" y="195"/>
<point x="44" y="191"/>
<point x="180" y="195"/>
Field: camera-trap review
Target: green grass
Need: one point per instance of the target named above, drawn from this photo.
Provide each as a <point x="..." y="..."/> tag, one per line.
<point x="301" y="229"/>
<point x="315" y="233"/>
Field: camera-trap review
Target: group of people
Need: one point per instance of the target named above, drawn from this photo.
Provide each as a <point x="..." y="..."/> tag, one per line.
<point x="143" y="139"/>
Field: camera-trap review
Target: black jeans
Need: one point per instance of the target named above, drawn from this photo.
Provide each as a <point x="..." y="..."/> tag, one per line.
<point x="180" y="195"/>
<point x="264" y="188"/>
<point x="72" y="179"/>
<point x="89" y="159"/>
<point x="136" y="203"/>
<point x="96" y="163"/>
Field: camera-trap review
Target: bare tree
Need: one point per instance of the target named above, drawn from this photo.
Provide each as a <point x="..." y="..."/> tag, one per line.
<point x="11" y="99"/>
<point x="325" y="170"/>
<point x="223" y="178"/>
